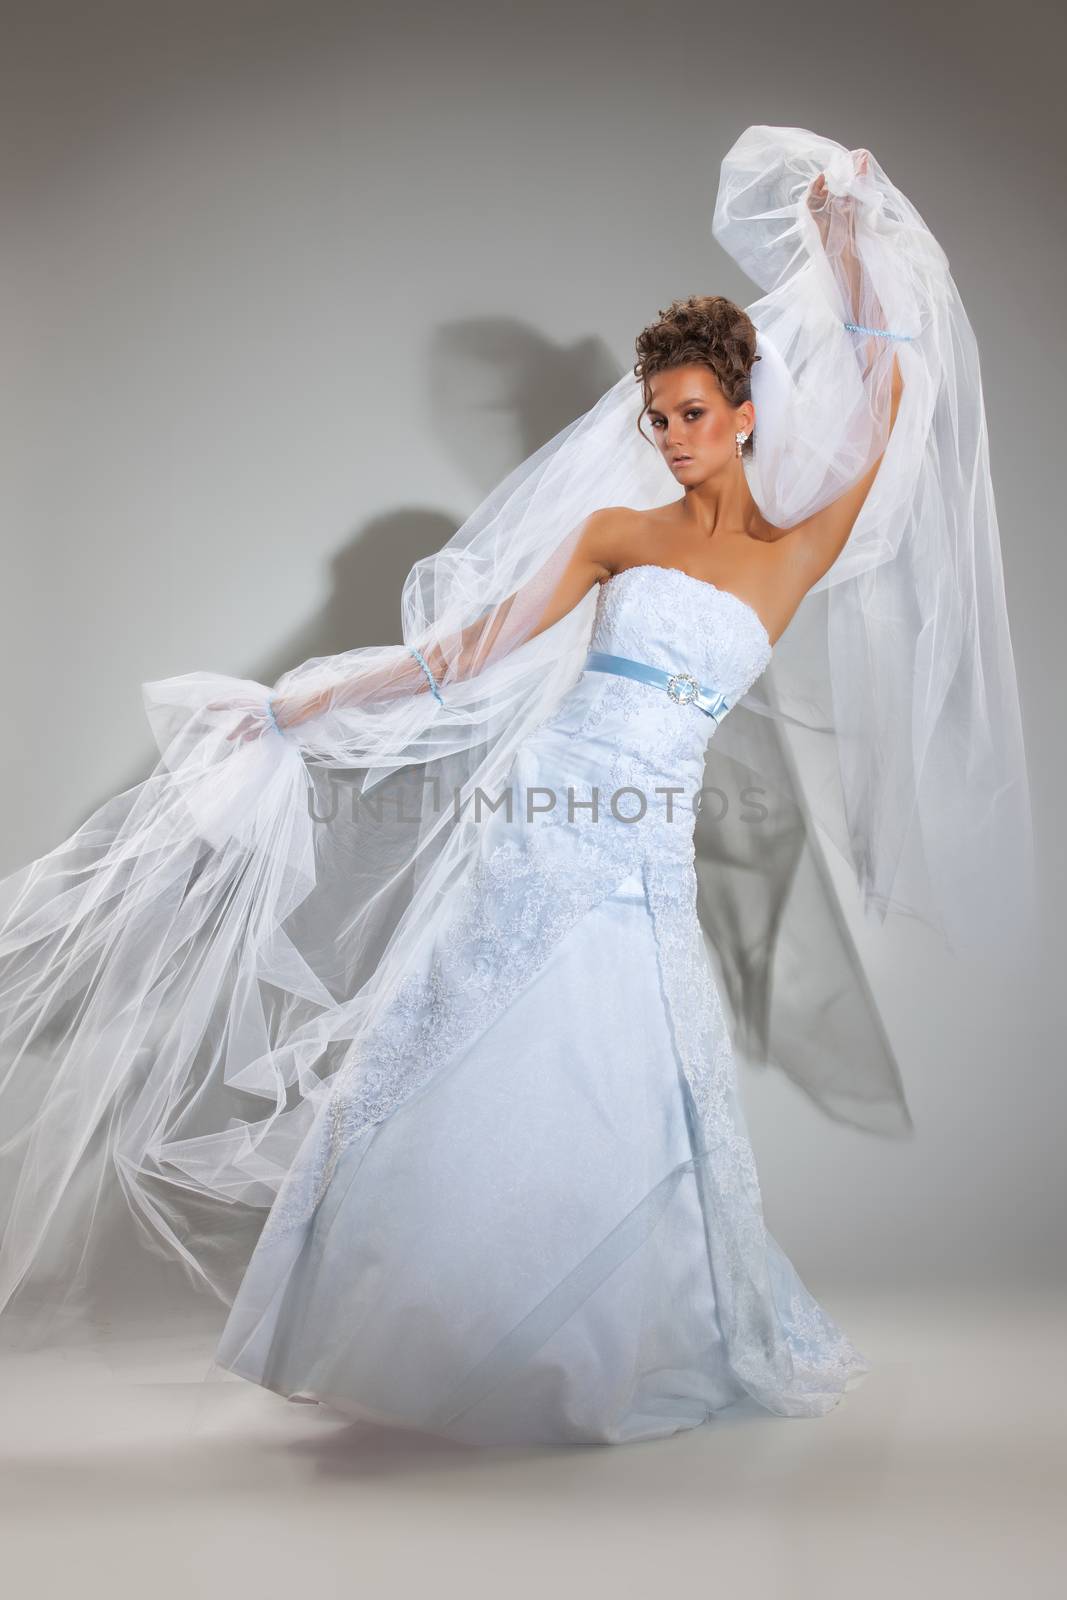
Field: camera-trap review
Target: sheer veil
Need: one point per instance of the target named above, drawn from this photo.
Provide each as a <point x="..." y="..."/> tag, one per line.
<point x="182" y="979"/>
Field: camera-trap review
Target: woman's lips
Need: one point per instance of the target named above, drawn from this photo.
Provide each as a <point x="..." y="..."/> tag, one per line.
<point x="680" y="461"/>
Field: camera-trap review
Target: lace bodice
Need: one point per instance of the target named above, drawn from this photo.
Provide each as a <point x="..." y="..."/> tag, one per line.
<point x="665" y="617"/>
<point x="669" y="619"/>
<point x="613" y="733"/>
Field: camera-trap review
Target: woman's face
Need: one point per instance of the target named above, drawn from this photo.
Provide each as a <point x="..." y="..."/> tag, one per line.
<point x="693" y="423"/>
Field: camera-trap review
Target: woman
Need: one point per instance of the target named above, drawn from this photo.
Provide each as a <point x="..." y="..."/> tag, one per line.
<point x="407" y="953"/>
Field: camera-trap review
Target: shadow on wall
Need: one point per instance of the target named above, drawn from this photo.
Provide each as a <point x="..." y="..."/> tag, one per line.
<point x="499" y="390"/>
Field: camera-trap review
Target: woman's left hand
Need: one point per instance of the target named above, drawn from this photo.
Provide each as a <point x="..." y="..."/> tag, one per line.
<point x="822" y="204"/>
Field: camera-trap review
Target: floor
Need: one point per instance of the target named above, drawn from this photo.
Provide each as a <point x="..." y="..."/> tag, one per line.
<point x="125" y="1473"/>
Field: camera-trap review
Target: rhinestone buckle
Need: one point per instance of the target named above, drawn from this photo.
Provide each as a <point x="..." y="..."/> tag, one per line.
<point x="682" y="688"/>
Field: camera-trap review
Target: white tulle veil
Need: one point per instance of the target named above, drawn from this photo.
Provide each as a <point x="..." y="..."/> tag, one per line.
<point x="181" y="980"/>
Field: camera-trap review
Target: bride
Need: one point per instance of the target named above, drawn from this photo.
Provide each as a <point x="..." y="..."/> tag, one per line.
<point x="385" y="1002"/>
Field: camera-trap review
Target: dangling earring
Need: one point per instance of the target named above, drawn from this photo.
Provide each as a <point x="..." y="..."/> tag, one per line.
<point x="740" y="437"/>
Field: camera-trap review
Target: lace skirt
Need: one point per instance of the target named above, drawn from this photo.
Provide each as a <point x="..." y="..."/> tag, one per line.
<point x="542" y="1244"/>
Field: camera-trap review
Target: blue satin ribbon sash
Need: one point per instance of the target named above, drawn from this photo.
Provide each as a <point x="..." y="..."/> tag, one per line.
<point x="682" y="687"/>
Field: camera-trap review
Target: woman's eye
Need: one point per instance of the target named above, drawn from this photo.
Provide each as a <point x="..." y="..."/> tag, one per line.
<point x="660" y="422"/>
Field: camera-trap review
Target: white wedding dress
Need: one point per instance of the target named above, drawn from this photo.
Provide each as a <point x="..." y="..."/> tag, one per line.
<point x="558" y="1235"/>
<point x="442" y="1109"/>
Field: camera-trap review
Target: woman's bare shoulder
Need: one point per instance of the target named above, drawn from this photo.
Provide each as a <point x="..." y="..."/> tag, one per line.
<point x="625" y="535"/>
<point x="609" y="535"/>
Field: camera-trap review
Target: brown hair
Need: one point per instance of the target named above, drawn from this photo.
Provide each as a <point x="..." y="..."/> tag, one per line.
<point x="707" y="329"/>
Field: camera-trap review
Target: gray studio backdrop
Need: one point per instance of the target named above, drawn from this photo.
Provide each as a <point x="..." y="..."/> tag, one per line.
<point x="289" y="287"/>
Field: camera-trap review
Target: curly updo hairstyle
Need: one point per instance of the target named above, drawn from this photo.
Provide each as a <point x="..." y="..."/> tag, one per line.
<point x="705" y="328"/>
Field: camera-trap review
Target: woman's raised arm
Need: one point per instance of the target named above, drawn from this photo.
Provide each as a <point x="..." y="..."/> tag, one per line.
<point x="817" y="541"/>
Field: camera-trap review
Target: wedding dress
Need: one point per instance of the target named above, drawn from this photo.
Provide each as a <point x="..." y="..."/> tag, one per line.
<point x="441" y="1104"/>
<point x="559" y="1236"/>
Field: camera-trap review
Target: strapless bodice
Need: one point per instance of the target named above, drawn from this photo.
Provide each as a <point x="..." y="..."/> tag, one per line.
<point x="669" y="619"/>
<point x="665" y="618"/>
<point x="613" y="733"/>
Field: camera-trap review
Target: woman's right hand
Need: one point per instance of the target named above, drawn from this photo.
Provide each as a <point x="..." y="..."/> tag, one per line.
<point x="253" y="725"/>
